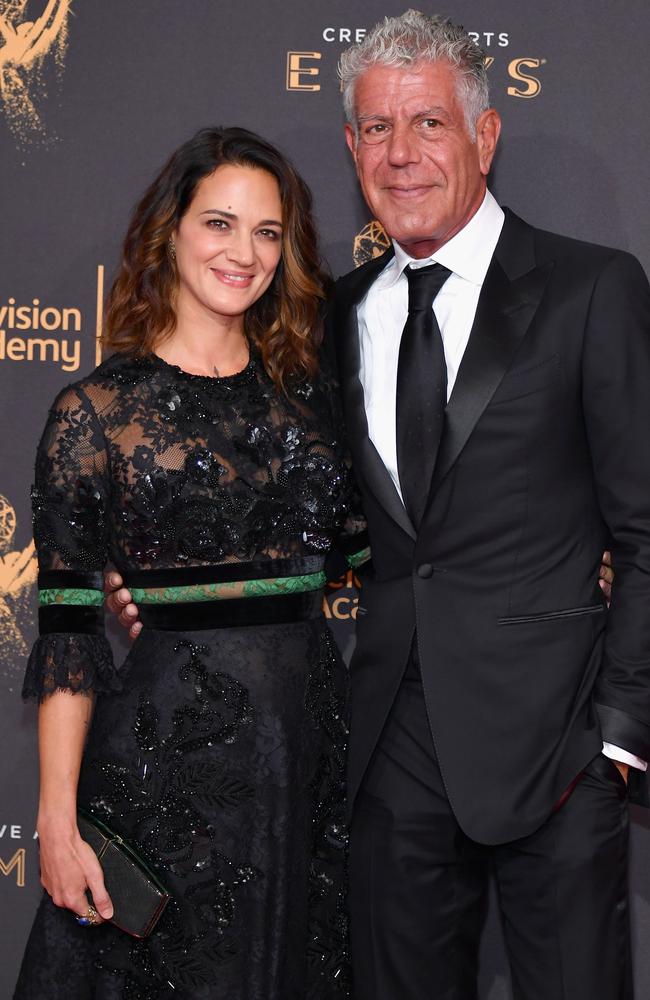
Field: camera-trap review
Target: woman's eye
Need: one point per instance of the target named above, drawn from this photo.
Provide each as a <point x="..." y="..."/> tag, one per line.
<point x="217" y="224"/>
<point x="270" y="234"/>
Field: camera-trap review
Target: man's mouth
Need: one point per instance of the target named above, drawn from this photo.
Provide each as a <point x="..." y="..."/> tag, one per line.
<point x="403" y="192"/>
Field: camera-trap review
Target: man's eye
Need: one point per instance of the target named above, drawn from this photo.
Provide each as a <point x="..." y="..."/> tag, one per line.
<point x="376" y="129"/>
<point x="430" y="123"/>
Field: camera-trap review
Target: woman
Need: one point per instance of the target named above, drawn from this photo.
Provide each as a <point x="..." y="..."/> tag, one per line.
<point x="203" y="459"/>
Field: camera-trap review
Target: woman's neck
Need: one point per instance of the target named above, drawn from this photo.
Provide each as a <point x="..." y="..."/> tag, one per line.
<point x="207" y="347"/>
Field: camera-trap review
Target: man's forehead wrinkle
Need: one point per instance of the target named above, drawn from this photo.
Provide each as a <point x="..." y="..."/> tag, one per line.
<point x="432" y="110"/>
<point x="406" y="95"/>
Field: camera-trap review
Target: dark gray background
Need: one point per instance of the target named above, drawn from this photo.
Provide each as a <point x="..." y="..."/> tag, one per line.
<point x="137" y="78"/>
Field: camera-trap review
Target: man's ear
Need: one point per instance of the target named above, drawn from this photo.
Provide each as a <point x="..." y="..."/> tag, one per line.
<point x="351" y="140"/>
<point x="488" y="129"/>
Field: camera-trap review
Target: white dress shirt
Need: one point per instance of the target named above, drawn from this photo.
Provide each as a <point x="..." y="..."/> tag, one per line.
<point x="381" y="316"/>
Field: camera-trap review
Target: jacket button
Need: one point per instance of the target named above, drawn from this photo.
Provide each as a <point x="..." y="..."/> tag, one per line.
<point x="425" y="571"/>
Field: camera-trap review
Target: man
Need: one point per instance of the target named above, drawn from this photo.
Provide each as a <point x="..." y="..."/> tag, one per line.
<point x="487" y="673"/>
<point x="496" y="705"/>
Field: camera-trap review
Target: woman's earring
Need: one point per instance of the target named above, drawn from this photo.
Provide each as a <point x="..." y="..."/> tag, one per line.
<point x="171" y="246"/>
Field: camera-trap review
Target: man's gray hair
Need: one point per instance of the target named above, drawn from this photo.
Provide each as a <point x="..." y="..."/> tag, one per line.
<point x="412" y="38"/>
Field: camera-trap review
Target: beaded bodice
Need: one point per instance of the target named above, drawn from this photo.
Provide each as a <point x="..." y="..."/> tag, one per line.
<point x="150" y="467"/>
<point x="195" y="488"/>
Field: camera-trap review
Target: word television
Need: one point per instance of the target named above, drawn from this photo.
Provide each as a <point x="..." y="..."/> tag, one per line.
<point x="16" y="345"/>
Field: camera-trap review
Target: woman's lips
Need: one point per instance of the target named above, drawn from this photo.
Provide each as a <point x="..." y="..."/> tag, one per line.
<point x="233" y="278"/>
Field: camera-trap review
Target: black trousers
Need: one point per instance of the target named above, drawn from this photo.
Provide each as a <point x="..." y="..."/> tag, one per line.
<point x="419" y="884"/>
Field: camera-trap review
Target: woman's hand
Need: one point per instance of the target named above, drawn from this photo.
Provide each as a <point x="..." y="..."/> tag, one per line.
<point x="606" y="576"/>
<point x="69" y="867"/>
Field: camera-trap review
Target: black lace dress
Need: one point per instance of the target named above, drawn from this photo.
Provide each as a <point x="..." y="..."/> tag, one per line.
<point x="218" y="746"/>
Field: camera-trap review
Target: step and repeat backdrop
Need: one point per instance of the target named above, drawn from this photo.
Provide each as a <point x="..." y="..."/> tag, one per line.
<point x="94" y="96"/>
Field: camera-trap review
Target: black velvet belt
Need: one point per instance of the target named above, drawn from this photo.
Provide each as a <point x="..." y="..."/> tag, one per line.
<point x="232" y="613"/>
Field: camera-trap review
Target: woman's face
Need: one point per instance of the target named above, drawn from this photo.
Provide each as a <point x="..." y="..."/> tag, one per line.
<point x="229" y="242"/>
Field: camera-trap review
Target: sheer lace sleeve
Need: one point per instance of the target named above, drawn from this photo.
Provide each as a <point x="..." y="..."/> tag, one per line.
<point x="69" y="501"/>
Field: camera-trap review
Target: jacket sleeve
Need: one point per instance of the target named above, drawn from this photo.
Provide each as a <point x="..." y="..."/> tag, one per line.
<point x="616" y="404"/>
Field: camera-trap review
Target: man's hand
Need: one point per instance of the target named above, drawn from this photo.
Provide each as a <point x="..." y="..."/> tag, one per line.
<point x="624" y="770"/>
<point x="606" y="578"/>
<point x="118" y="602"/>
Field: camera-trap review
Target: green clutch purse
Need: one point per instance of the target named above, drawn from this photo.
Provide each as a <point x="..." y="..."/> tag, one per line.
<point x="137" y="895"/>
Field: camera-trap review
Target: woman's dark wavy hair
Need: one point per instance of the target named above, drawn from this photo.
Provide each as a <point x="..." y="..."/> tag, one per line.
<point x="285" y="323"/>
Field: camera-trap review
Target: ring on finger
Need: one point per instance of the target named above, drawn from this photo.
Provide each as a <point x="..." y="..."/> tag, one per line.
<point x="89" y="918"/>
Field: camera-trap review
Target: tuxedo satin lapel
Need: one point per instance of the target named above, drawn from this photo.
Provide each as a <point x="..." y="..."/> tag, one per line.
<point x="380" y="484"/>
<point x="505" y="311"/>
<point x="367" y="463"/>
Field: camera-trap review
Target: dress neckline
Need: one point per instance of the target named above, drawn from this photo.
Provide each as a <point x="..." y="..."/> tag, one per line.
<point x="246" y="374"/>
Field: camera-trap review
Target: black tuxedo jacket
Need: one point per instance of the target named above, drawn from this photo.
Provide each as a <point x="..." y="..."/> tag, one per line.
<point x="544" y="462"/>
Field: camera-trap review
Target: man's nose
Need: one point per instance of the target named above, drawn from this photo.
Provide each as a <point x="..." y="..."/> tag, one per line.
<point x="402" y="146"/>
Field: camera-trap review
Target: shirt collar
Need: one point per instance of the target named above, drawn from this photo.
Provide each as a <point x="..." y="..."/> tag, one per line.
<point x="467" y="254"/>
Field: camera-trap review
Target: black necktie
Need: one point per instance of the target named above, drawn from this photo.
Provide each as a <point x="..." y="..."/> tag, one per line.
<point x="421" y="389"/>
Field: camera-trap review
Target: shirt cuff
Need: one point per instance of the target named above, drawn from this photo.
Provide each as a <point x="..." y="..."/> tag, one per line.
<point x="623" y="757"/>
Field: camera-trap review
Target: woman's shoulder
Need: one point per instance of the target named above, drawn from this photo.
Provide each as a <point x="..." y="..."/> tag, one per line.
<point x="116" y="374"/>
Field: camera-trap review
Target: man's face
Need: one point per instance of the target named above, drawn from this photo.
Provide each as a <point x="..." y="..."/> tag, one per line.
<point x="421" y="173"/>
